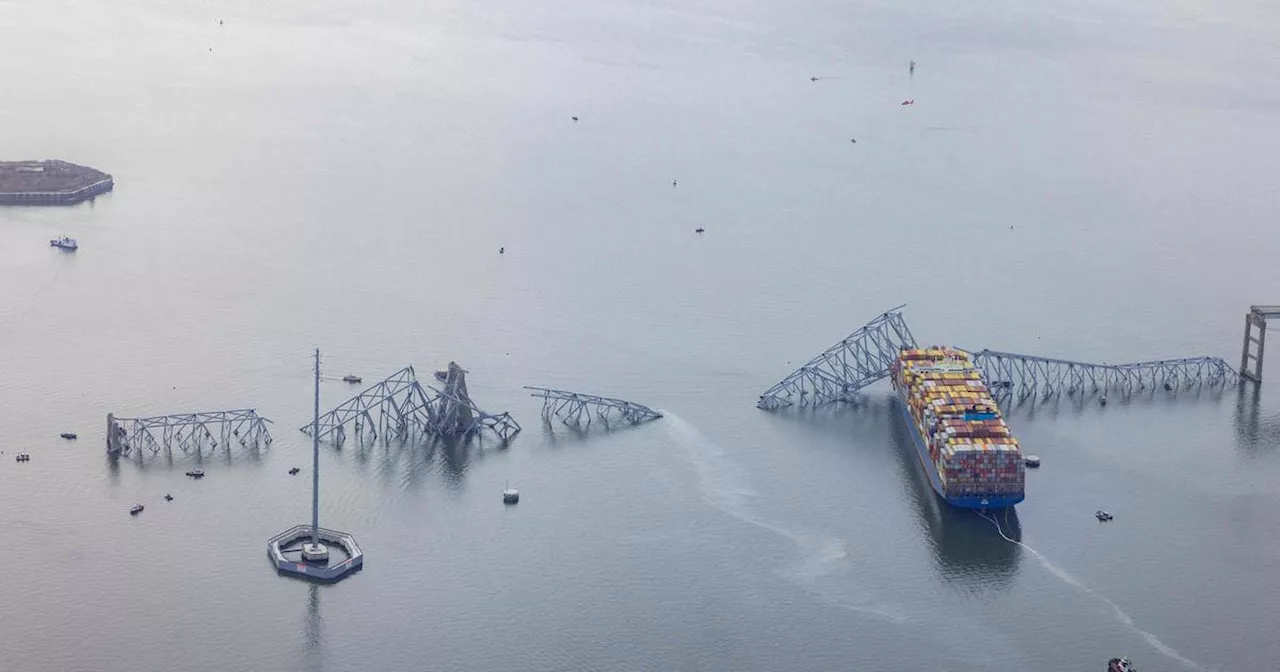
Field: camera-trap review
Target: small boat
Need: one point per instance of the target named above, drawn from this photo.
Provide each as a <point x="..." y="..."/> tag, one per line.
<point x="68" y="435"/>
<point x="699" y="230"/>
<point x="350" y="378"/>
<point x="1032" y="461"/>
<point x="168" y="497"/>
<point x="137" y="508"/>
<point x="196" y="473"/>
<point x="510" y="495"/>
<point x="1102" y="516"/>
<point x="294" y="471"/>
<point x="23" y="457"/>
<point x="65" y="243"/>
<point x="1121" y="664"/>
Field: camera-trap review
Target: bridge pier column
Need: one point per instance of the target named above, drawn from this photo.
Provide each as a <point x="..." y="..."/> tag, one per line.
<point x="1251" y="356"/>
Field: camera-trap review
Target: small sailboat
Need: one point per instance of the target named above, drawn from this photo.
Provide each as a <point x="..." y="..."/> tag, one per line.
<point x="510" y="495"/>
<point x="65" y="243"/>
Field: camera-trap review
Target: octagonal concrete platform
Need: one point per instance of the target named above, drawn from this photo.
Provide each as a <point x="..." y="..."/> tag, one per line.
<point x="315" y="571"/>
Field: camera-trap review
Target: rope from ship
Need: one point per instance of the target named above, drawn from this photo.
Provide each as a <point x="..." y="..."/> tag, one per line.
<point x="1120" y="614"/>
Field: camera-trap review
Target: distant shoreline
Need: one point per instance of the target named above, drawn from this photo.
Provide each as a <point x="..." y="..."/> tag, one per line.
<point x="50" y="182"/>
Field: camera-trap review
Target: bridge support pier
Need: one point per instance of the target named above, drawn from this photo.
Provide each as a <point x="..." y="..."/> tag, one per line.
<point x="1255" y="340"/>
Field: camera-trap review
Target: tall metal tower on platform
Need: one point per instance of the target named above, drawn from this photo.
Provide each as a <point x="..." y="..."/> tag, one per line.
<point x="315" y="551"/>
<point x="310" y="542"/>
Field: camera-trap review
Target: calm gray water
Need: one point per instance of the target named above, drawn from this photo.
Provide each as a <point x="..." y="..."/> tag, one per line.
<point x="341" y="175"/>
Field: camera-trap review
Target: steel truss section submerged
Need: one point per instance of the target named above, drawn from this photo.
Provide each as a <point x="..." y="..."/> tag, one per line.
<point x="1013" y="375"/>
<point x="400" y="406"/>
<point x="572" y="407"/>
<point x="860" y="359"/>
<point x="188" y="431"/>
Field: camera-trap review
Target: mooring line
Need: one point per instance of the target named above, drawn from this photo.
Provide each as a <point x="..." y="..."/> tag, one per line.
<point x="1120" y="614"/>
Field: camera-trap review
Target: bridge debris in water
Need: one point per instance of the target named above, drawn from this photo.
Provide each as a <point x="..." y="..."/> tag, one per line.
<point x="400" y="406"/>
<point x="572" y="407"/>
<point x="1021" y="376"/>
<point x="188" y="431"/>
<point x="858" y="360"/>
<point x="866" y="355"/>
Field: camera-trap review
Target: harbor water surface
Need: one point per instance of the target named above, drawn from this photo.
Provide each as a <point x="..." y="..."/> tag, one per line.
<point x="1093" y="182"/>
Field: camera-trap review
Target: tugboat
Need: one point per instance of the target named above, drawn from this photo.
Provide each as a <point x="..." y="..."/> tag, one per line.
<point x="68" y="435"/>
<point x="1102" y="516"/>
<point x="196" y="473"/>
<point x="137" y="508"/>
<point x="65" y="243"/>
<point x="1120" y="664"/>
<point x="349" y="378"/>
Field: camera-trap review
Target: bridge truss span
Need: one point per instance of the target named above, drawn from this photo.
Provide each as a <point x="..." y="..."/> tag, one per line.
<point x="401" y="406"/>
<point x="858" y="360"/>
<point x="187" y="431"/>
<point x="573" y="407"/>
<point x="1018" y="375"/>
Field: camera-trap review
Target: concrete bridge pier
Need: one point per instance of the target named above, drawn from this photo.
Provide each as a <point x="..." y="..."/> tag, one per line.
<point x="1255" y="340"/>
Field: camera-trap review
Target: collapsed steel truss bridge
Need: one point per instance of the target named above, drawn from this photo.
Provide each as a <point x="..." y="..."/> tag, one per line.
<point x="573" y="407"/>
<point x="188" y="431"/>
<point x="1011" y="375"/>
<point x="400" y="406"/>
<point x="866" y="355"/>
<point x="859" y="359"/>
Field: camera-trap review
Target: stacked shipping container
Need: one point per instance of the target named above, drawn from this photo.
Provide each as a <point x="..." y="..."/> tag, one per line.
<point x="971" y="449"/>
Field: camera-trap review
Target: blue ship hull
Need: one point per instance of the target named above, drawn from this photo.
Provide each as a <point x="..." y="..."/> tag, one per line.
<point x="930" y="470"/>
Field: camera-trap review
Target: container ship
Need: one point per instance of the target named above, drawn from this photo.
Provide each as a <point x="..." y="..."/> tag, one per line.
<point x="964" y="445"/>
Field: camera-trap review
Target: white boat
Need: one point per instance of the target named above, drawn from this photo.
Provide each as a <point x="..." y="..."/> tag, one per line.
<point x="1032" y="461"/>
<point x="196" y="473"/>
<point x="65" y="243"/>
<point x="510" y="495"/>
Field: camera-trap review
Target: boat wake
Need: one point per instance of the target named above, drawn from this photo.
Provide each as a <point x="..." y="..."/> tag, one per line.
<point x="727" y="486"/>
<point x="1120" y="615"/>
